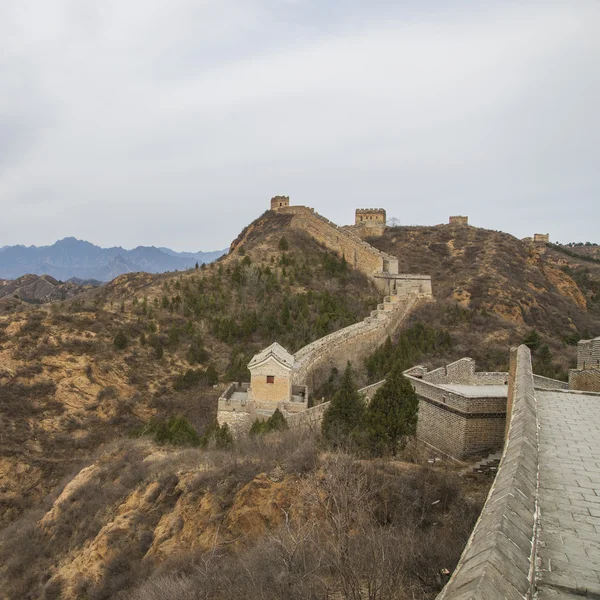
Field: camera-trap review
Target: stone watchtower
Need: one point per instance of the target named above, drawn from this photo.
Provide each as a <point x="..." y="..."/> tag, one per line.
<point x="541" y="239"/>
<point x="278" y="202"/>
<point x="370" y="216"/>
<point x="458" y="220"/>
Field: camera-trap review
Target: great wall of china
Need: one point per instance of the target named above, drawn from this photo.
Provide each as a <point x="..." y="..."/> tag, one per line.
<point x="313" y="363"/>
<point x="538" y="536"/>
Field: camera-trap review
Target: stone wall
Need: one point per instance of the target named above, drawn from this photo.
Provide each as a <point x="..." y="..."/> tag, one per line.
<point x="541" y="238"/>
<point x="588" y="354"/>
<point x="457" y="425"/>
<point x="585" y="381"/>
<point x="313" y="417"/>
<point x="460" y="372"/>
<point x="458" y="220"/>
<point x="497" y="563"/>
<point x="315" y="361"/>
<point x="545" y="383"/>
<point x="358" y="253"/>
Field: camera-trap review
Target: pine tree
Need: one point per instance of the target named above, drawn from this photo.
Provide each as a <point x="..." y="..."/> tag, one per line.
<point x="392" y="414"/>
<point x="532" y="340"/>
<point x="345" y="414"/>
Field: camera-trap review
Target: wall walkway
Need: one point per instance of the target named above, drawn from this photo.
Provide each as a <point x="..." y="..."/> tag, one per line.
<point x="497" y="562"/>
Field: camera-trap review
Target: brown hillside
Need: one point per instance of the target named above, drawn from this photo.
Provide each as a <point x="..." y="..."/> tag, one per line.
<point x="141" y="517"/>
<point x="81" y="374"/>
<point x="492" y="289"/>
<point x="65" y="388"/>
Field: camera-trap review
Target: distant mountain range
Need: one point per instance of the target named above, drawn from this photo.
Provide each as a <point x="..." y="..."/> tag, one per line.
<point x="73" y="258"/>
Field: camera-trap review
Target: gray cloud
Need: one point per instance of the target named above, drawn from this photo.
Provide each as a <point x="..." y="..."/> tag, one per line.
<point x="172" y="123"/>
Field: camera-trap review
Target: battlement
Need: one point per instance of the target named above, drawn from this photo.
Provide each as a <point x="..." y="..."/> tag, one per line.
<point x="278" y="202"/>
<point x="458" y="220"/>
<point x="541" y="238"/>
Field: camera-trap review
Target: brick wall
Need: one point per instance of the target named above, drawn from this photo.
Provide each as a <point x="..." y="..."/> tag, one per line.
<point x="279" y="390"/>
<point x="358" y="253"/>
<point x="498" y="558"/>
<point x="588" y="354"/>
<point x="459" y="372"/>
<point x="441" y="428"/>
<point x="315" y="361"/>
<point x="545" y="383"/>
<point x="585" y="381"/>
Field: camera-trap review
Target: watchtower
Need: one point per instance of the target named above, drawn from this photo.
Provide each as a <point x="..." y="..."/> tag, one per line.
<point x="459" y="220"/>
<point x="541" y="238"/>
<point x="370" y="216"/>
<point x="278" y="202"/>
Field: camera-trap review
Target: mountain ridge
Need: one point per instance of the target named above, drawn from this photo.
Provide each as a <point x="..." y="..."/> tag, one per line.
<point x="71" y="257"/>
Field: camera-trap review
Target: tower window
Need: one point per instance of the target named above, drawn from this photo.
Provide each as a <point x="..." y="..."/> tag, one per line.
<point x="270" y="378"/>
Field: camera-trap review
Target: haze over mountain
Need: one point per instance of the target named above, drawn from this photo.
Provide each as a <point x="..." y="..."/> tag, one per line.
<point x="70" y="257"/>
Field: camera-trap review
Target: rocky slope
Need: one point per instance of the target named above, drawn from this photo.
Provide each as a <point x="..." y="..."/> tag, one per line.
<point x="270" y="520"/>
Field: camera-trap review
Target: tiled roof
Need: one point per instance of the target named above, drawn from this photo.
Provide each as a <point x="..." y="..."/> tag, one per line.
<point x="278" y="352"/>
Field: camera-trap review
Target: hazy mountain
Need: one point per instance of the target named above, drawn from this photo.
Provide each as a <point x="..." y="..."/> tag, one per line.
<point x="71" y="257"/>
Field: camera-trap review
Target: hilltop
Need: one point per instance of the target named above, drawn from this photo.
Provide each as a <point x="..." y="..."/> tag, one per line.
<point x="79" y="375"/>
<point x="492" y="289"/>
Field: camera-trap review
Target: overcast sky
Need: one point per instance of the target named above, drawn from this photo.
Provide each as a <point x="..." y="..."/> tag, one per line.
<point x="173" y="122"/>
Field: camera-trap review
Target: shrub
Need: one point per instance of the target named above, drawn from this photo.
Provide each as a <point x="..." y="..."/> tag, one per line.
<point x="121" y="340"/>
<point x="217" y="436"/>
<point x="276" y="422"/>
<point x="532" y="340"/>
<point x="176" y="430"/>
<point x="193" y="377"/>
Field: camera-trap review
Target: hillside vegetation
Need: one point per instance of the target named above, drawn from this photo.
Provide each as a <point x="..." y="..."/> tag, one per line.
<point x="83" y="372"/>
<point x="493" y="290"/>
<point x="274" y="518"/>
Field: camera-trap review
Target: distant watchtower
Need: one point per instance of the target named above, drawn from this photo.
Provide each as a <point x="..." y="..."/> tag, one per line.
<point x="370" y="216"/>
<point x="541" y="238"/>
<point x="459" y="220"/>
<point x="278" y="202"/>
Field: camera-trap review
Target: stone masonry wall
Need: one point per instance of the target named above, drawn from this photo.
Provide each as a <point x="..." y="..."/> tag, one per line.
<point x="546" y="383"/>
<point x="498" y="558"/>
<point x="315" y="361"/>
<point x="459" y="372"/>
<point x="313" y="417"/>
<point x="588" y="354"/>
<point x="585" y="381"/>
<point x="359" y="254"/>
<point x="457" y="425"/>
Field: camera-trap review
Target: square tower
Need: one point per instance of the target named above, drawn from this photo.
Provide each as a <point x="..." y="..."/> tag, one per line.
<point x="370" y="216"/>
<point x="458" y="220"/>
<point x="270" y="376"/>
<point x="278" y="202"/>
